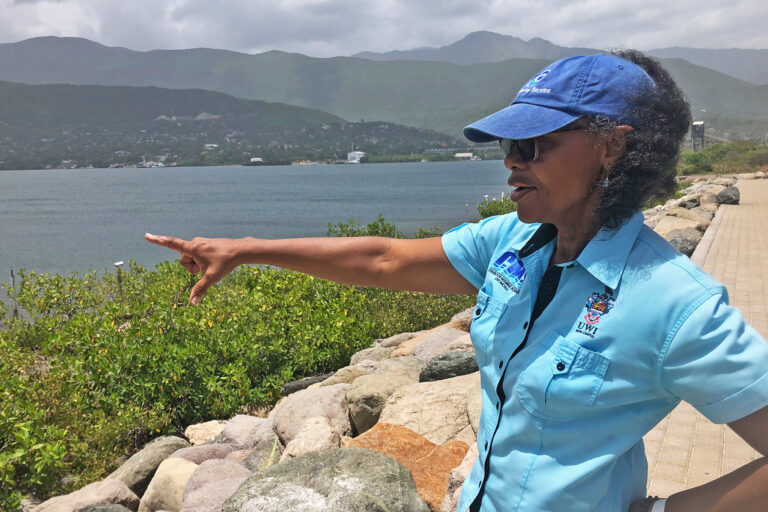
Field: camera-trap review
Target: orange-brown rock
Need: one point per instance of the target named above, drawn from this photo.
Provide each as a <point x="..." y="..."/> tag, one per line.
<point x="430" y="464"/>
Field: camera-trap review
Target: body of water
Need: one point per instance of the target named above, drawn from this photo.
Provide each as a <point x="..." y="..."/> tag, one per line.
<point x="86" y="219"/>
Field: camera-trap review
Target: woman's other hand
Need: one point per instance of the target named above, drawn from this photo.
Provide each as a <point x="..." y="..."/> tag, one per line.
<point x="213" y="257"/>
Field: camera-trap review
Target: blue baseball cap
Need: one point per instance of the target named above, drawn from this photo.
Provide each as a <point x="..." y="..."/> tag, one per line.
<point x="595" y="85"/>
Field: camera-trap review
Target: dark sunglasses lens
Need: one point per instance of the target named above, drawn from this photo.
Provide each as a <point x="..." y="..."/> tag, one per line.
<point x="526" y="148"/>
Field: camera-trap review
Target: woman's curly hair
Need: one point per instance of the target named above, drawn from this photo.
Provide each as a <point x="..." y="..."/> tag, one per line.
<point x="648" y="165"/>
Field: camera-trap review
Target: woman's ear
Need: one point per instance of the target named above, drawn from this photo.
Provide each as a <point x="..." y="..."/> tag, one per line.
<point x="615" y="143"/>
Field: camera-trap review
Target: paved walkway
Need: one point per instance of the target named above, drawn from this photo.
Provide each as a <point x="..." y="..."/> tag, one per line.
<point x="686" y="449"/>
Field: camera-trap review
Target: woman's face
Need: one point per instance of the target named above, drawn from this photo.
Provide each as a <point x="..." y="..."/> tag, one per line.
<point x="561" y="186"/>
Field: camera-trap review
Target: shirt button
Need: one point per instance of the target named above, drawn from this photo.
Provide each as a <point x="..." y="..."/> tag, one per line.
<point x="560" y="367"/>
<point x="501" y="364"/>
<point x="480" y="483"/>
<point x="497" y="406"/>
<point x="486" y="445"/>
<point x="477" y="311"/>
<point x="525" y="325"/>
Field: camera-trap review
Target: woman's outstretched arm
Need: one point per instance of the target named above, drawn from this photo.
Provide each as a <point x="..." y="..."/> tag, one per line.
<point x="400" y="264"/>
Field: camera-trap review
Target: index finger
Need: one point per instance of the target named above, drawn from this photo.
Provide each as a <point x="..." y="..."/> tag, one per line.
<point x="177" y="244"/>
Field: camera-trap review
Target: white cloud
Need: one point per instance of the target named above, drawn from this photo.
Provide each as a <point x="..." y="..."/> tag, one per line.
<point x="342" y="27"/>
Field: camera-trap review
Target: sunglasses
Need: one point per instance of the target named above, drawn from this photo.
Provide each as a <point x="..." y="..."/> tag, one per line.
<point x="528" y="149"/>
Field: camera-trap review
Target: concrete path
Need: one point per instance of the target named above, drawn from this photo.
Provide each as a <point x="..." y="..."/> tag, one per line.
<point x="686" y="450"/>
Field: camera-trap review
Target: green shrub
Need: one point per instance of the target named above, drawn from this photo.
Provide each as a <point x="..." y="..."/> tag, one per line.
<point x="491" y="207"/>
<point x="96" y="367"/>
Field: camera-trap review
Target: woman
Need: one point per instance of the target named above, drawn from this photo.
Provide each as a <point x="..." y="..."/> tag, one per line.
<point x="589" y="328"/>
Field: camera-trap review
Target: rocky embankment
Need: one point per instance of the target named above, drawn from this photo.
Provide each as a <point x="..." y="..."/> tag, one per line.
<point x="394" y="430"/>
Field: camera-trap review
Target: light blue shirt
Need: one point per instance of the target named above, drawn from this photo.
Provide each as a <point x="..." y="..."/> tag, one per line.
<point x="633" y="328"/>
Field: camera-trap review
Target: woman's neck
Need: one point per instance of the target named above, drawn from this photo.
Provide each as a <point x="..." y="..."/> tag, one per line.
<point x="571" y="241"/>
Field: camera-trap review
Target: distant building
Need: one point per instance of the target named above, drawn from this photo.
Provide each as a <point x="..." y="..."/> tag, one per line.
<point x="210" y="147"/>
<point x="354" y="157"/>
<point x="466" y="156"/>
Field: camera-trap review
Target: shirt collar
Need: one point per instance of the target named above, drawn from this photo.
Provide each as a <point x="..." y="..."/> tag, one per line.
<point x="605" y="256"/>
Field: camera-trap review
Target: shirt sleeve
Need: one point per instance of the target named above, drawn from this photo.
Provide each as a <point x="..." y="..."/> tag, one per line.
<point x="469" y="247"/>
<point x="717" y="362"/>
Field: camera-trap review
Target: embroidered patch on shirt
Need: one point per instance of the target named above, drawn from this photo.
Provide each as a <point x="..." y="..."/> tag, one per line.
<point x="508" y="270"/>
<point x="597" y="306"/>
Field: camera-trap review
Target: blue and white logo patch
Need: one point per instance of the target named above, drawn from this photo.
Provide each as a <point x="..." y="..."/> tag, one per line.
<point x="508" y="270"/>
<point x="538" y="78"/>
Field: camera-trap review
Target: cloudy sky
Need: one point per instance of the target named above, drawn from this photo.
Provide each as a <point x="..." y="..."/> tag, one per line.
<point x="325" y="28"/>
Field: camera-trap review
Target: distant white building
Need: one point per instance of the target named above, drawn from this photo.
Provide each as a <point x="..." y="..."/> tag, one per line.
<point x="210" y="147"/>
<point x="466" y="156"/>
<point x="354" y="157"/>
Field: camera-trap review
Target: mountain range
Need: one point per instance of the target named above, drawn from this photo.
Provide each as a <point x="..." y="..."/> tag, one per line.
<point x="442" y="96"/>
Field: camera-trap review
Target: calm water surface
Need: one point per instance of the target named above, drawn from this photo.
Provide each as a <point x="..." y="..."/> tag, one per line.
<point x="83" y="219"/>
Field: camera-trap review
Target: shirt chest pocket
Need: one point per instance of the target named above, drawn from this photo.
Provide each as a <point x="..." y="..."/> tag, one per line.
<point x="485" y="319"/>
<point x="562" y="379"/>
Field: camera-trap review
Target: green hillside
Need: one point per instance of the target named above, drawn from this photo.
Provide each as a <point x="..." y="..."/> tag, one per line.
<point x="43" y="125"/>
<point x="436" y="95"/>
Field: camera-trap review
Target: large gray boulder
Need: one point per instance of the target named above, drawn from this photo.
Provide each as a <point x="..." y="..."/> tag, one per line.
<point x="105" y="492"/>
<point x="211" y="484"/>
<point x="343" y="480"/>
<point x="137" y="472"/>
<point x="447" y="365"/>
<point x="327" y="401"/>
<point x="730" y="195"/>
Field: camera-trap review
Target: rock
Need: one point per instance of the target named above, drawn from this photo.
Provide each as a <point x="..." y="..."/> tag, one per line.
<point x="345" y="375"/>
<point x="670" y="223"/>
<point x="405" y="366"/>
<point x="368" y="394"/>
<point x="203" y="432"/>
<point x="297" y="385"/>
<point x="684" y="240"/>
<point x="371" y="354"/>
<point x="652" y="217"/>
<point x="474" y="408"/>
<point x="690" y="201"/>
<point x="436" y="410"/>
<point x="725" y="181"/>
<point x="704" y="212"/>
<point x="315" y="434"/>
<point x="730" y="195"/>
<point x="166" y="489"/>
<point x="328" y="401"/>
<point x="263" y="433"/>
<point x="137" y="471"/>
<point x="27" y="504"/>
<point x="342" y="480"/>
<point x="456" y="480"/>
<point x="239" y="456"/>
<point x="240" y="430"/>
<point x="105" y="508"/>
<point x="397" y="339"/>
<point x="429" y="464"/>
<point x="447" y="365"/>
<point x="406" y="347"/>
<point x="760" y="175"/>
<point x="435" y="341"/>
<point x="105" y="492"/>
<point x="463" y="320"/>
<point x="701" y="223"/>
<point x="746" y="176"/>
<point x="199" y="454"/>
<point x="461" y="344"/>
<point x="266" y="454"/>
<point x="211" y="484"/>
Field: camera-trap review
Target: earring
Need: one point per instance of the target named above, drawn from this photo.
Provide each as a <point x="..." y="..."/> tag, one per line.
<point x="605" y="182"/>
